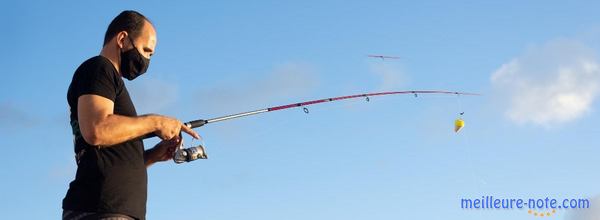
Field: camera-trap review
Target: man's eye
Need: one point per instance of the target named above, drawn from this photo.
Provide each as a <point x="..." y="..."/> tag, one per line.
<point x="148" y="50"/>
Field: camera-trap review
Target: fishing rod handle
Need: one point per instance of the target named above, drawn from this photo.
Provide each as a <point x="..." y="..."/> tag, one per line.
<point x="196" y="123"/>
<point x="190" y="124"/>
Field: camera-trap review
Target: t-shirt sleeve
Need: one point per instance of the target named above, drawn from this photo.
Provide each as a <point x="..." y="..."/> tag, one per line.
<point x="98" y="81"/>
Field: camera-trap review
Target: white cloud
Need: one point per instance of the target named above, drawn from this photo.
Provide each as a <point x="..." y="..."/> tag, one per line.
<point x="153" y="95"/>
<point x="62" y="172"/>
<point x="286" y="81"/>
<point x="549" y="84"/>
<point x="13" y="116"/>
<point x="592" y="213"/>
<point x="391" y="75"/>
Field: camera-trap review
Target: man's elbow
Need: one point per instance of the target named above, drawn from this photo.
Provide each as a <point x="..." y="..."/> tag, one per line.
<point x="92" y="137"/>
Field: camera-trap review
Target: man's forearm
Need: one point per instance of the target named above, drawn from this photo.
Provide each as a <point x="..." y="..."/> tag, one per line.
<point x="147" y="158"/>
<point x="115" y="129"/>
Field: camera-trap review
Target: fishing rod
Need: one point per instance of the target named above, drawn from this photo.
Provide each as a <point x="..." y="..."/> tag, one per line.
<point x="198" y="152"/>
<point x="202" y="122"/>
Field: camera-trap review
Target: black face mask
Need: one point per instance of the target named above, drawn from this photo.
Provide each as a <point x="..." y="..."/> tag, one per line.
<point x="133" y="63"/>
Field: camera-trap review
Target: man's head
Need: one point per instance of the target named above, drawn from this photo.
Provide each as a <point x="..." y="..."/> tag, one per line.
<point x="136" y="26"/>
<point x="130" y="40"/>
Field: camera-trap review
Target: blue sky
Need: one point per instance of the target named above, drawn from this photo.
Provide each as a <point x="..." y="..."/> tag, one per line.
<point x="532" y="134"/>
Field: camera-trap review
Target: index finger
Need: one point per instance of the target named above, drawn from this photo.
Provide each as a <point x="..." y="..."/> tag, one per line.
<point x="189" y="131"/>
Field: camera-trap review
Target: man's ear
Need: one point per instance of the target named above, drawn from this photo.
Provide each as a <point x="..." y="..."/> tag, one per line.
<point x="121" y="36"/>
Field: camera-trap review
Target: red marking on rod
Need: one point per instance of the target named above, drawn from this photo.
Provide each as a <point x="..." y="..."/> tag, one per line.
<point x="364" y="95"/>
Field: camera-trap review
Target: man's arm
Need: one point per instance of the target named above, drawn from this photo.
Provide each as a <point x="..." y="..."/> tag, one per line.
<point x="100" y="127"/>
<point x="163" y="151"/>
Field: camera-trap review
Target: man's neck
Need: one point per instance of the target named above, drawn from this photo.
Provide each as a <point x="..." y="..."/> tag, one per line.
<point x="111" y="54"/>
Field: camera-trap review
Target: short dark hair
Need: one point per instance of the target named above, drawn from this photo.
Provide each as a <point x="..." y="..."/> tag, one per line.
<point x="130" y="21"/>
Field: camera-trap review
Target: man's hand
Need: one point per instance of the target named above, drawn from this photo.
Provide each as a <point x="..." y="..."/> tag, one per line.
<point x="162" y="151"/>
<point x="169" y="128"/>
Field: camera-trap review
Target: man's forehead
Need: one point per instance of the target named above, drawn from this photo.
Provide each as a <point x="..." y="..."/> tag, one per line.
<point x="150" y="28"/>
<point x="148" y="33"/>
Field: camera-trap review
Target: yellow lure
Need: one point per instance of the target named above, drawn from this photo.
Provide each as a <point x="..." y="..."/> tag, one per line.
<point x="458" y="124"/>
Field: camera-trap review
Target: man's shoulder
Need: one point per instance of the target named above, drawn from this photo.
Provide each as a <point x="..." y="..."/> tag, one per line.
<point x="96" y="75"/>
<point x="97" y="68"/>
<point x="96" y="63"/>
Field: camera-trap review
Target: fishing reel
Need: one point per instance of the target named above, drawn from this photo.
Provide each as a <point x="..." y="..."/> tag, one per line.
<point x="182" y="155"/>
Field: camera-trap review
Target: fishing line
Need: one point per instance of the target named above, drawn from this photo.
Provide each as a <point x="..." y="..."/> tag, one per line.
<point x="466" y="139"/>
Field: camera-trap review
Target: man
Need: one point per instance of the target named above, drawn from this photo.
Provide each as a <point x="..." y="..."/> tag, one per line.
<point x="111" y="177"/>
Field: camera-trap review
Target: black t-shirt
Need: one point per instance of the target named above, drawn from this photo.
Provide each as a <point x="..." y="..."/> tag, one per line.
<point x="110" y="179"/>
